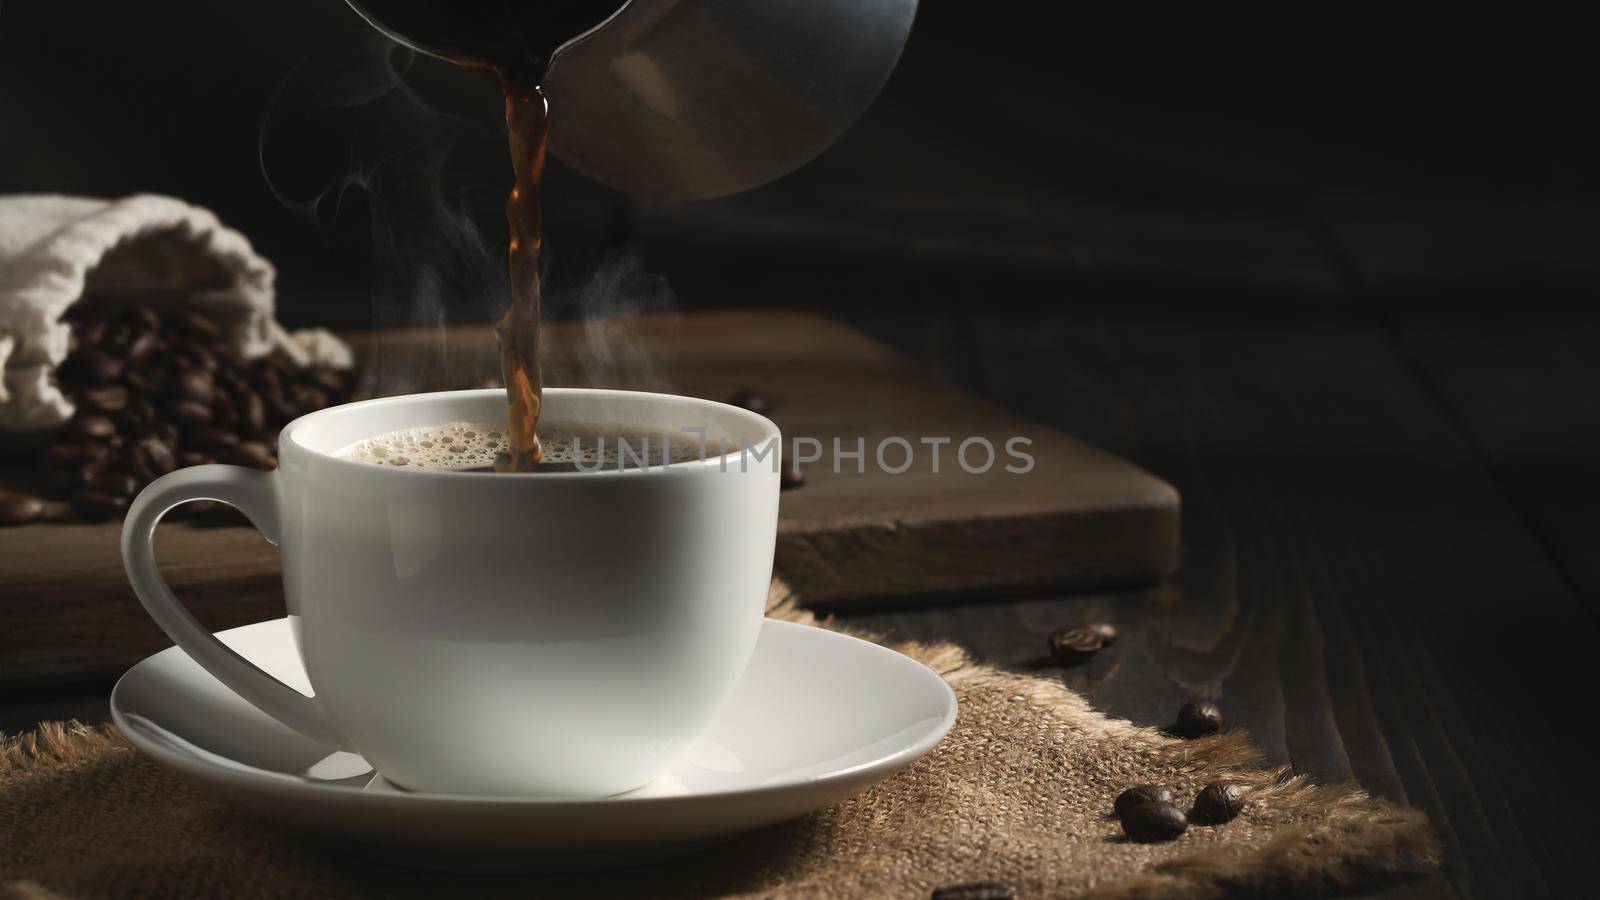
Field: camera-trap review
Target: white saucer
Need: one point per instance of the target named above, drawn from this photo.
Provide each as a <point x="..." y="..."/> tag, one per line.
<point x="818" y="717"/>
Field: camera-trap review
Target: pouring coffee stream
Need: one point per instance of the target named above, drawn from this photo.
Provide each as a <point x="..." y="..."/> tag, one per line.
<point x="631" y="84"/>
<point x="513" y="44"/>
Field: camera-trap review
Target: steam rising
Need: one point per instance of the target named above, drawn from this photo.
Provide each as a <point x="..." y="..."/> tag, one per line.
<point x="352" y="131"/>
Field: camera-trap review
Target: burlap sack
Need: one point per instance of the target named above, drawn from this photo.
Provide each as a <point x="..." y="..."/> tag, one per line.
<point x="1018" y="793"/>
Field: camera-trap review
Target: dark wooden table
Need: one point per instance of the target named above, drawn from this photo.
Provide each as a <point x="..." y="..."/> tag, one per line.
<point x="1389" y="569"/>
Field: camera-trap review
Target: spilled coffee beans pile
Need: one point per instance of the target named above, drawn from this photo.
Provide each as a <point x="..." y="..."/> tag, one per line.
<point x="156" y="392"/>
<point x="1076" y="643"/>
<point x="1148" y="814"/>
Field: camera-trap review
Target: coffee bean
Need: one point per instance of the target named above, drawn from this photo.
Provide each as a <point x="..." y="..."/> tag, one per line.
<point x="253" y="455"/>
<point x="195" y="385"/>
<point x="187" y="458"/>
<point x="141" y="318"/>
<point x="194" y="509"/>
<point x="187" y="413"/>
<point x="59" y="482"/>
<point x="117" y="484"/>
<point x="1147" y="822"/>
<point x="90" y="427"/>
<point x="280" y="409"/>
<point x="96" y="506"/>
<point x="71" y="456"/>
<point x="194" y="324"/>
<point x="269" y="380"/>
<point x="1076" y="643"/>
<point x="1217" y="802"/>
<point x="91" y="470"/>
<point x="117" y="338"/>
<point x="213" y="438"/>
<point x="167" y="432"/>
<point x="329" y="381"/>
<point x="1106" y="630"/>
<point x="224" y="353"/>
<point x="224" y="413"/>
<point x="89" y="333"/>
<point x="142" y="347"/>
<point x="310" y="399"/>
<point x="89" y="367"/>
<point x="198" y="357"/>
<point x="791" y="477"/>
<point x="151" y="458"/>
<point x="749" y="399"/>
<point x="17" y="509"/>
<point x="1198" y="718"/>
<point x="147" y="384"/>
<point x="278" y="361"/>
<point x="984" y="890"/>
<point x="1144" y="793"/>
<point x="253" y="414"/>
<point x="109" y="399"/>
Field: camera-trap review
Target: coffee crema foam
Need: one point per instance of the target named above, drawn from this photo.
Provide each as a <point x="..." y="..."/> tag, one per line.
<point x="461" y="446"/>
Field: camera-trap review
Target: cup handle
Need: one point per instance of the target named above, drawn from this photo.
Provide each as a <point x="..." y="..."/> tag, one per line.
<point x="252" y="493"/>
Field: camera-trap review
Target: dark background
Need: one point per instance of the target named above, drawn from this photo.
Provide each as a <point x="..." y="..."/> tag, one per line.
<point x="1330" y="274"/>
<point x="1016" y="155"/>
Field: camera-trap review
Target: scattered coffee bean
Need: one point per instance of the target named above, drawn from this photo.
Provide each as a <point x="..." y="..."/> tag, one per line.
<point x="17" y="509"/>
<point x="1198" y="718"/>
<point x="748" y="399"/>
<point x="96" y="506"/>
<point x="117" y="484"/>
<point x="1106" y="630"/>
<point x="1076" y="643"/>
<point x="984" y="890"/>
<point x="252" y="454"/>
<point x="1147" y="822"/>
<point x="1144" y="793"/>
<point x="791" y="477"/>
<point x="1217" y="802"/>
<point x="90" y="427"/>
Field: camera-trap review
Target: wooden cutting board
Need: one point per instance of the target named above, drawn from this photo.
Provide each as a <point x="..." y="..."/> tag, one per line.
<point x="1081" y="517"/>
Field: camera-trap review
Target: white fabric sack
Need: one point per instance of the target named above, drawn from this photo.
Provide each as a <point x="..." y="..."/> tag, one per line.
<point x="159" y="251"/>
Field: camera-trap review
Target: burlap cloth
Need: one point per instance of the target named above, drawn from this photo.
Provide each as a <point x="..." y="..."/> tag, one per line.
<point x="1017" y="793"/>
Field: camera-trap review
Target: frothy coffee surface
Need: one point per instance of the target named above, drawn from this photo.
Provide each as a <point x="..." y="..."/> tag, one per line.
<point x="461" y="446"/>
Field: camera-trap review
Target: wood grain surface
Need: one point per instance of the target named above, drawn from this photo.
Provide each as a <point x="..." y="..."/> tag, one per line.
<point x="860" y="534"/>
<point x="1388" y="546"/>
<point x="1388" y="561"/>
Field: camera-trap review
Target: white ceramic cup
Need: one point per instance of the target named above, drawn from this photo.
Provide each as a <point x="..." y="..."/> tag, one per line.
<point x="562" y="634"/>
